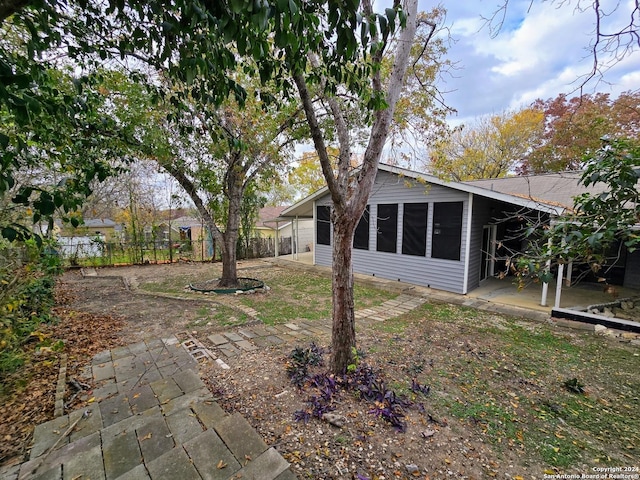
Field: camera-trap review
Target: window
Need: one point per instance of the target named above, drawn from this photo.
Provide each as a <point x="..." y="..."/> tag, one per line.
<point x="414" y="229"/>
<point x="387" y="233"/>
<point x="361" y="237"/>
<point x="447" y="230"/>
<point x="323" y="225"/>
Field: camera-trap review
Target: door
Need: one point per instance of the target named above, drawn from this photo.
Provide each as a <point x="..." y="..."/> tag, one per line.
<point x="488" y="252"/>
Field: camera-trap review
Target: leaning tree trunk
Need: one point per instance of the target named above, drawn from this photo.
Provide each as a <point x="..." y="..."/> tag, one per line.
<point x="343" y="338"/>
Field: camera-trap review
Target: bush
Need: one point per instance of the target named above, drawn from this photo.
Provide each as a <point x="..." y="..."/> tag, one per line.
<point x="27" y="275"/>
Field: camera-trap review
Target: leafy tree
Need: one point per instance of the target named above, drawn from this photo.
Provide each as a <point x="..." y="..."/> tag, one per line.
<point x="218" y="165"/>
<point x="349" y="190"/>
<point x="573" y="128"/>
<point x="54" y="143"/>
<point x="598" y="222"/>
<point x="492" y="148"/>
<point x="252" y="202"/>
<point x="307" y="176"/>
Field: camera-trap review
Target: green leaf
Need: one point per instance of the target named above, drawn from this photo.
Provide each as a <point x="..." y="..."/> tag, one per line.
<point x="10" y="233"/>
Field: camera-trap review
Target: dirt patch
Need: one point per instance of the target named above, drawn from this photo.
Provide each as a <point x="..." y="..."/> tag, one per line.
<point x="116" y="291"/>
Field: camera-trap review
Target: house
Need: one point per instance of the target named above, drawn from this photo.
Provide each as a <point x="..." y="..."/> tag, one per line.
<point x="285" y="231"/>
<point x="420" y="229"/>
<point x="105" y="227"/>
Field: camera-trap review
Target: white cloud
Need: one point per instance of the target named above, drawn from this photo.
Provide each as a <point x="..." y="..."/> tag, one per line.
<point x="542" y="51"/>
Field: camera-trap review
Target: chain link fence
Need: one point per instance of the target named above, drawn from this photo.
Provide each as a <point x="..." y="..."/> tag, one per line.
<point x="96" y="252"/>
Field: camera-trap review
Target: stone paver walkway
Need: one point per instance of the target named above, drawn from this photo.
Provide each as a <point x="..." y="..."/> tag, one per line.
<point x="229" y="345"/>
<point x="152" y="418"/>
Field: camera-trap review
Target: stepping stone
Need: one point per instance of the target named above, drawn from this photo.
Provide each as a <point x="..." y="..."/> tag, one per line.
<point x="266" y="467"/>
<point x="115" y="409"/>
<point x="183" y="425"/>
<point x="246" y="345"/>
<point x="292" y="326"/>
<point x="247" y="333"/>
<point x="166" y="389"/>
<point x="154" y="439"/>
<point x="218" y="340"/>
<point x="234" y="337"/>
<point x="208" y="412"/>
<point x="229" y="350"/>
<point x="206" y="450"/>
<point x="189" y="381"/>
<point x="121" y="453"/>
<point x="240" y="437"/>
<point x="261" y="331"/>
<point x="142" y="398"/>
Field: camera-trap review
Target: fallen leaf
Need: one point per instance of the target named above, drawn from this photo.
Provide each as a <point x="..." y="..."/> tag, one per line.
<point x="91" y="400"/>
<point x="146" y="437"/>
<point x="221" y="465"/>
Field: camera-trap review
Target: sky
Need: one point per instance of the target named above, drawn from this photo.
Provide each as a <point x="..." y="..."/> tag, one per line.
<point x="540" y="52"/>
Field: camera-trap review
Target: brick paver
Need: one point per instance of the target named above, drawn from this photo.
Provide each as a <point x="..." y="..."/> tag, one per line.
<point x="167" y="428"/>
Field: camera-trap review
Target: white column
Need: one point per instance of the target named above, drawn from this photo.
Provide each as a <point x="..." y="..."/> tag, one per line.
<point x="277" y="245"/>
<point x="545" y="285"/>
<point x="560" y="278"/>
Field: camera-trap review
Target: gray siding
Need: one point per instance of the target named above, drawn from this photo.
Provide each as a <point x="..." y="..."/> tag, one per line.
<point x="436" y="273"/>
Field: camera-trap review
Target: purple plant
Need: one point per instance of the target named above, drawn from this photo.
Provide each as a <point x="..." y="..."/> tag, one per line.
<point x="302" y="416"/>
<point x="364" y="380"/>
<point x="417" y="388"/>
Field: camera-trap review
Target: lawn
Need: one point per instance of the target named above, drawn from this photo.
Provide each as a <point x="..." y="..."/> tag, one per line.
<point x="560" y="398"/>
<point x="293" y="295"/>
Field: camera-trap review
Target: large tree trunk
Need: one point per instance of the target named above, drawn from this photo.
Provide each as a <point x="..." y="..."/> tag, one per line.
<point x="230" y="241"/>
<point x="234" y="189"/>
<point x="343" y="338"/>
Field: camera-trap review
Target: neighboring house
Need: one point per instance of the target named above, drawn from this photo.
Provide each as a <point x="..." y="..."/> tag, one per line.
<point x="271" y="225"/>
<point x="192" y="233"/>
<point x="450" y="236"/>
<point x="105" y="227"/>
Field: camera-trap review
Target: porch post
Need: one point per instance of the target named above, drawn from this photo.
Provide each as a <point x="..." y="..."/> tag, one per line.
<point x="545" y="285"/>
<point x="560" y="278"/>
<point x="297" y="242"/>
<point x="569" y="272"/>
<point x="277" y="246"/>
<point x="559" y="285"/>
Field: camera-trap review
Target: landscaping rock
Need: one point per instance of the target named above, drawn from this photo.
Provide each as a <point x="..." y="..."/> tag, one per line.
<point x="335" y="420"/>
<point x="412" y="469"/>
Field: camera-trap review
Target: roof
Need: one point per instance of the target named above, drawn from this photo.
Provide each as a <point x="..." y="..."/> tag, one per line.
<point x="186" y="222"/>
<point x="267" y="216"/>
<point x="99" y="222"/>
<point x="552" y="188"/>
<point x="304" y="208"/>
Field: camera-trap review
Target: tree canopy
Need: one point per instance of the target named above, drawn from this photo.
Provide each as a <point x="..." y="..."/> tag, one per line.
<point x="574" y="127"/>
<point x="493" y="147"/>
